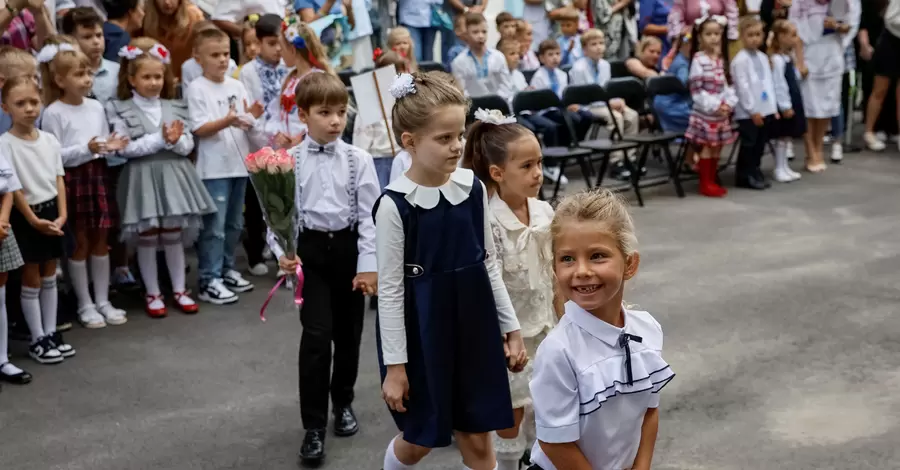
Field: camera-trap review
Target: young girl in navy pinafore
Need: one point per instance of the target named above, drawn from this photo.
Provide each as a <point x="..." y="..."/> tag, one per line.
<point x="455" y="360"/>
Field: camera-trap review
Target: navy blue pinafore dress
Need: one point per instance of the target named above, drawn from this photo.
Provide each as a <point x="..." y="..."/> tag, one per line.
<point x="796" y="125"/>
<point x="456" y="366"/>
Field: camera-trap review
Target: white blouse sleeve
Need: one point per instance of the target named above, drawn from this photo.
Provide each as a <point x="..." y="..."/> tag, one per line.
<point x="185" y="144"/>
<point x="743" y="86"/>
<point x="782" y="93"/>
<point x="507" y="315"/>
<point x="554" y="390"/>
<point x="389" y="250"/>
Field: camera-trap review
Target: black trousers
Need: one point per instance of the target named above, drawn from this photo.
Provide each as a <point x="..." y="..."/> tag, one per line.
<point x="753" y="145"/>
<point x="332" y="312"/>
<point x="255" y="241"/>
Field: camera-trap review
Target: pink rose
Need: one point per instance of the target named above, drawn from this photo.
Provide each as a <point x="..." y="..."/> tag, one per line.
<point x="271" y="163"/>
<point x="256" y="161"/>
<point x="285" y="161"/>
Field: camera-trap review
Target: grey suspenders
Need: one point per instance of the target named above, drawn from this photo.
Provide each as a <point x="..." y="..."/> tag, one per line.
<point x="352" y="184"/>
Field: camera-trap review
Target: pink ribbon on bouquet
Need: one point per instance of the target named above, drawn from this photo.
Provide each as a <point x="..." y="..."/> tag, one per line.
<point x="298" y="292"/>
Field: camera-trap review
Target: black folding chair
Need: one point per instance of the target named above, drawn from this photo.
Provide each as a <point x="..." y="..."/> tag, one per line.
<point x="587" y="95"/>
<point x="345" y="75"/>
<point x="539" y="100"/>
<point x="632" y="91"/>
<point x="618" y="69"/>
<point x="432" y="67"/>
<point x="486" y="102"/>
<point x="528" y="74"/>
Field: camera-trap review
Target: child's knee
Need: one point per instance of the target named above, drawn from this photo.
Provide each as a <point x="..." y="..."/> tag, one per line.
<point x="476" y="445"/>
<point x="510" y="433"/>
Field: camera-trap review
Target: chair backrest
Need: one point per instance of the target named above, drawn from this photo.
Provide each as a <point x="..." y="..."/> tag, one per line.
<point x="535" y="100"/>
<point x="665" y="85"/>
<point x="618" y="69"/>
<point x="345" y="75"/>
<point x="432" y="67"/>
<point x="584" y="94"/>
<point x="528" y="74"/>
<point x="629" y="89"/>
<point x="486" y="102"/>
<point x="566" y="69"/>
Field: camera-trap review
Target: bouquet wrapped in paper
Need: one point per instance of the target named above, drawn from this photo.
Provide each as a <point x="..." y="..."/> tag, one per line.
<point x="272" y="175"/>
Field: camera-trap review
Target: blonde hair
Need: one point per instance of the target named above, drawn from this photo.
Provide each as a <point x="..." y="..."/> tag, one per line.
<point x="646" y="42"/>
<point x="130" y="67"/>
<point x="748" y="22"/>
<point x="433" y="91"/>
<point x="13" y="60"/>
<point x="313" y="53"/>
<point x="63" y="63"/>
<point x="395" y="35"/>
<point x="174" y="25"/>
<point x="598" y="205"/>
<point x="778" y="27"/>
<point x="592" y="34"/>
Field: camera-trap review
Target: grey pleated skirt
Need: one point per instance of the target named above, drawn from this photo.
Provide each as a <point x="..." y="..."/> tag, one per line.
<point x="162" y="191"/>
<point x="10" y="257"/>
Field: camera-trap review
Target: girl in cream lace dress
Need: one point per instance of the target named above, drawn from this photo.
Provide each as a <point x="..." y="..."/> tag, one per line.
<point x="507" y="157"/>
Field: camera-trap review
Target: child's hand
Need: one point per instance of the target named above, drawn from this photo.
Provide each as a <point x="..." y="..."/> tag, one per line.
<point x="787" y="113"/>
<point x="724" y="110"/>
<point x="47" y="228"/>
<point x="757" y="120"/>
<point x="366" y="282"/>
<point x="843" y="28"/>
<point x="395" y="388"/>
<point x="571" y="44"/>
<point x="617" y="104"/>
<point x="60" y="222"/>
<point x="232" y="117"/>
<point x="573" y="108"/>
<point x="172" y="133"/>
<point x="97" y="146"/>
<point x="255" y="110"/>
<point x="829" y="23"/>
<point x="4" y="230"/>
<point x="281" y="140"/>
<point x="516" y="354"/>
<point x="288" y="265"/>
<point x="116" y="142"/>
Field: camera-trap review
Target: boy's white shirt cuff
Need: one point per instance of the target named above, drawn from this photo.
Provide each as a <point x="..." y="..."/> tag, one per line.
<point x="559" y="435"/>
<point x="367" y="263"/>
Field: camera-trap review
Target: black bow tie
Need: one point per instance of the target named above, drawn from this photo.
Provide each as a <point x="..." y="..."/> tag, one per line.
<point x="327" y="149"/>
<point x="624" y="342"/>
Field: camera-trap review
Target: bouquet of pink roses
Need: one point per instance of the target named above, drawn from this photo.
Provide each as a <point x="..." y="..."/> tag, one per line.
<point x="272" y="175"/>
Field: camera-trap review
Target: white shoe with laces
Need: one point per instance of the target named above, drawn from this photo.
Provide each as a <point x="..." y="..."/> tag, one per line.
<point x="90" y="318"/>
<point x="216" y="293"/>
<point x="114" y="316"/>
<point x="235" y="282"/>
<point x="259" y="269"/>
<point x="872" y="142"/>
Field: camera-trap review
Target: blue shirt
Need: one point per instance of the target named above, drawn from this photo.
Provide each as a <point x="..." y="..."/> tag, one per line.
<point x="569" y="57"/>
<point x="106" y="80"/>
<point x="655" y="12"/>
<point x="316" y="5"/>
<point x="115" y="38"/>
<point x="414" y="13"/>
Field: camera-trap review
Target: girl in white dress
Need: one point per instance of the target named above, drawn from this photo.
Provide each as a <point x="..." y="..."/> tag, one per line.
<point x="598" y="374"/>
<point x="507" y="157"/>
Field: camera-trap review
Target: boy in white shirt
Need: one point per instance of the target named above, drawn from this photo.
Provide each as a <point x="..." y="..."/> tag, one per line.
<point x="191" y="68"/>
<point x="221" y="120"/>
<point x="263" y="76"/>
<point x="540" y="125"/>
<point x="593" y="69"/>
<point x="569" y="40"/>
<point x="549" y="76"/>
<point x="481" y="71"/>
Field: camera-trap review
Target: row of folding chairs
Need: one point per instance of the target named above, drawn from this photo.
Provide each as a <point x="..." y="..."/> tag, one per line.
<point x="617" y="69"/>
<point x="599" y="144"/>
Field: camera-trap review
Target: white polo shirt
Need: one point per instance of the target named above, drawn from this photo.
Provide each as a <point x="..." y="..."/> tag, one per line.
<point x="580" y="389"/>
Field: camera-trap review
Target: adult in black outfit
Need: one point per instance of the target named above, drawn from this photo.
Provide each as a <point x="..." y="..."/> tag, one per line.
<point x="880" y="72"/>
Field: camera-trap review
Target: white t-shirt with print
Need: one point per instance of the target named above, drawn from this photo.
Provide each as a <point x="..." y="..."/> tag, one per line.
<point x="236" y="10"/>
<point x="37" y="163"/>
<point x="220" y="155"/>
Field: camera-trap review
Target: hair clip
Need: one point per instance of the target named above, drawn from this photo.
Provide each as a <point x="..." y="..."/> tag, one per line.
<point x="252" y="19"/>
<point x="377" y="53"/>
<point x="49" y="51"/>
<point x="403" y="85"/>
<point x="130" y="52"/>
<point x="160" y="52"/>
<point x="493" y="116"/>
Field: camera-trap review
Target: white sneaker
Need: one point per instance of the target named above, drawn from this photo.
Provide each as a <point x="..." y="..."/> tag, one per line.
<point x="872" y="142"/>
<point x="881" y="135"/>
<point x="782" y="176"/>
<point x="114" y="316"/>
<point x="90" y="318"/>
<point x="259" y="269"/>
<point x="837" y="153"/>
<point x="235" y="282"/>
<point x="216" y="293"/>
<point x="794" y="175"/>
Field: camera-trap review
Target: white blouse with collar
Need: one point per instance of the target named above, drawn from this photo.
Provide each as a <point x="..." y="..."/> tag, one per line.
<point x="525" y="260"/>
<point x="389" y="241"/>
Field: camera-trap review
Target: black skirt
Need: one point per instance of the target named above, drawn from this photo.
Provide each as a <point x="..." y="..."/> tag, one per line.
<point x="35" y="246"/>
<point x="884" y="60"/>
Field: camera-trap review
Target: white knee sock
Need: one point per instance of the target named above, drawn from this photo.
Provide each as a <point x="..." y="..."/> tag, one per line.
<point x="390" y="459"/>
<point x="49" y="303"/>
<point x="146" y="255"/>
<point x="175" y="259"/>
<point x="78" y="274"/>
<point x="100" y="276"/>
<point x="31" y="310"/>
<point x="508" y="451"/>
<point x="5" y="367"/>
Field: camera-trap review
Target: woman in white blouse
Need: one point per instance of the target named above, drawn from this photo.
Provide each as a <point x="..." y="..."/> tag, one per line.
<point x="507" y="158"/>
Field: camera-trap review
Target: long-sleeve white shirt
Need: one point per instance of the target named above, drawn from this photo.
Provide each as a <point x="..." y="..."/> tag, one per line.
<point x="587" y="72"/>
<point x="541" y="80"/>
<point x="74" y="127"/>
<point x="782" y="93"/>
<point x="390" y="247"/>
<point x="323" y="200"/>
<point x="490" y="77"/>
<point x="752" y="77"/>
<point x="152" y="143"/>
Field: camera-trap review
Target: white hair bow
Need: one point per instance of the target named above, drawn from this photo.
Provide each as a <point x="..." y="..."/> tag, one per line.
<point x="49" y="51"/>
<point x="160" y="52"/>
<point x="130" y="52"/>
<point x="493" y="116"/>
<point x="717" y="18"/>
<point x="403" y="85"/>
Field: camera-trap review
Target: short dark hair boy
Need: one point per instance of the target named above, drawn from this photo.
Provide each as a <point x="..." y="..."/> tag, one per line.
<point x="268" y="26"/>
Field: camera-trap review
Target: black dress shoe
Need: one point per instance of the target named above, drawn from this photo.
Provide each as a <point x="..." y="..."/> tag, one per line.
<point x="313" y="451"/>
<point x="21" y="378"/>
<point x="345" y="423"/>
<point x="750" y="182"/>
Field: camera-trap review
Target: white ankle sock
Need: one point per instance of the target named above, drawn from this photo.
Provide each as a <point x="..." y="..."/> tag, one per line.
<point x="78" y="274"/>
<point x="31" y="310"/>
<point x="175" y="259"/>
<point x="390" y="459"/>
<point x="146" y="255"/>
<point x="49" y="303"/>
<point x="100" y="277"/>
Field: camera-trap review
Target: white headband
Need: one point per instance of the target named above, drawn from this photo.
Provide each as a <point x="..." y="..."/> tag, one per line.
<point x="493" y="116"/>
<point x="158" y="51"/>
<point x="49" y="51"/>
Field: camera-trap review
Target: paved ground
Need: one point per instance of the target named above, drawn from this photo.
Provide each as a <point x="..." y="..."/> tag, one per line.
<point x="780" y="313"/>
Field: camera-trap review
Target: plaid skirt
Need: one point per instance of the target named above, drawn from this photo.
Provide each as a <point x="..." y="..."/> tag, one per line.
<point x="10" y="257"/>
<point x="705" y="132"/>
<point x="90" y="196"/>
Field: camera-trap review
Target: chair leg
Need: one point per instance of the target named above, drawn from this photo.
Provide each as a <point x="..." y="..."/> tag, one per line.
<point x="562" y="171"/>
<point x="673" y="169"/>
<point x="604" y="165"/>
<point x="585" y="171"/>
<point x="636" y="172"/>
